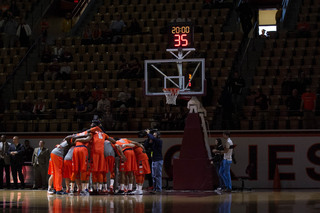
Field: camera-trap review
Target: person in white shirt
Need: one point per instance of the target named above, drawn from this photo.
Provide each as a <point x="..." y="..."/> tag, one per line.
<point x="226" y="162"/>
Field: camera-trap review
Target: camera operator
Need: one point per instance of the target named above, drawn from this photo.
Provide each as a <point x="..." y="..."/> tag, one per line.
<point x="155" y="144"/>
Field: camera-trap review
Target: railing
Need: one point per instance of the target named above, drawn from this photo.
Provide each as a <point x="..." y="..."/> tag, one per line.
<point x="251" y="119"/>
<point x="245" y="52"/>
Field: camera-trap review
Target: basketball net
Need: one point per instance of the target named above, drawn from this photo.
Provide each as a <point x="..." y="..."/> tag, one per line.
<point x="171" y="95"/>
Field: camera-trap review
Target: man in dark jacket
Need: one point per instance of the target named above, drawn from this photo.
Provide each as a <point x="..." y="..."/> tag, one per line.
<point x="155" y="143"/>
<point x="16" y="152"/>
<point x="40" y="162"/>
<point x="4" y="161"/>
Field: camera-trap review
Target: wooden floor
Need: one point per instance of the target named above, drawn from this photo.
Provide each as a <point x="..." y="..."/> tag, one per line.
<point x="300" y="201"/>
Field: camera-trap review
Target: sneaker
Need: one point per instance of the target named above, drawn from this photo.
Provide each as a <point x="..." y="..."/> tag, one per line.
<point x="219" y="189"/>
<point x="61" y="192"/>
<point x="84" y="193"/>
<point x="120" y="192"/>
<point x="137" y="192"/>
<point x="51" y="191"/>
<point x="227" y="190"/>
<point x="130" y="192"/>
<point x="94" y="192"/>
<point x="71" y="193"/>
<point x="111" y="191"/>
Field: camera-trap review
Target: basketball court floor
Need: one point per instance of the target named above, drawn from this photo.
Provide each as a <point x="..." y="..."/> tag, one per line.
<point x="257" y="201"/>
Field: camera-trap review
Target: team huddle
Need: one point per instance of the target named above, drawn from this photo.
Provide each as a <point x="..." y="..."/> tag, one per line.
<point x="92" y="153"/>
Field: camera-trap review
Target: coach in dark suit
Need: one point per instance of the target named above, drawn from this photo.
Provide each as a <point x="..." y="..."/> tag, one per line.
<point x="4" y="161"/>
<point x="16" y="152"/>
<point x="40" y="162"/>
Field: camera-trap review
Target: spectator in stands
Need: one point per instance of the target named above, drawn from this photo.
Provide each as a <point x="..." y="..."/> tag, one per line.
<point x="136" y="69"/>
<point x="236" y="85"/>
<point x="262" y="103"/>
<point x="14" y="8"/>
<point x="263" y="34"/>
<point x="179" y="17"/>
<point x="97" y="93"/>
<point x="81" y="109"/>
<point x="107" y="120"/>
<point x="46" y="55"/>
<point x="84" y="93"/>
<point x="28" y="151"/>
<point x="124" y="69"/>
<point x="2" y="110"/>
<point x="308" y="106"/>
<point x="303" y="28"/>
<point x="10" y="31"/>
<point x="278" y="16"/>
<point x="5" y="8"/>
<point x="293" y="103"/>
<point x="156" y="118"/>
<point x="117" y="27"/>
<point x="123" y="98"/>
<point x="67" y="56"/>
<point x="44" y="29"/>
<point x="53" y="70"/>
<point x="16" y="152"/>
<point x="64" y="100"/>
<point x="288" y="84"/>
<point x="24" y="33"/>
<point x="87" y="35"/>
<point x="2" y="23"/>
<point x="105" y="34"/>
<point x="91" y="104"/>
<point x="102" y="104"/>
<point x="96" y="33"/>
<point x="180" y="117"/>
<point x="207" y="4"/>
<point x="65" y="71"/>
<point x="57" y="51"/>
<point x="39" y="108"/>
<point x="26" y="108"/>
<point x="67" y="24"/>
<point x="303" y="82"/>
<point x="40" y="163"/>
<point x="134" y="27"/>
<point x="121" y="118"/>
<point x="167" y="118"/>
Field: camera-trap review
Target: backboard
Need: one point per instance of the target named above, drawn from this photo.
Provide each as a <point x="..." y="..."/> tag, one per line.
<point x="186" y="74"/>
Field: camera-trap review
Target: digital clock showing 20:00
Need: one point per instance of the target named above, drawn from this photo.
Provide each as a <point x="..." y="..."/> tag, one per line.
<point x="180" y="35"/>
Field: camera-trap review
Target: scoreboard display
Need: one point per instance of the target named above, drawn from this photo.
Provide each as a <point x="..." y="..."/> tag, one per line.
<point x="180" y="35"/>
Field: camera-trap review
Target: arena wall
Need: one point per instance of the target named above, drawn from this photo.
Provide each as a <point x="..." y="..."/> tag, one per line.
<point x="297" y="155"/>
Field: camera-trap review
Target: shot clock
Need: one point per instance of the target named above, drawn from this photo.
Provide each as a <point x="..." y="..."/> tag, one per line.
<point x="180" y="35"/>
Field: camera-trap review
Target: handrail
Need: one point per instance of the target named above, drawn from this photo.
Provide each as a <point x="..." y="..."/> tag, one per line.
<point x="248" y="44"/>
<point x="77" y="10"/>
<point x="10" y="77"/>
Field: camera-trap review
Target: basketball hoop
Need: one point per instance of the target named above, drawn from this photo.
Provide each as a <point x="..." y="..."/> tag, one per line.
<point x="171" y="95"/>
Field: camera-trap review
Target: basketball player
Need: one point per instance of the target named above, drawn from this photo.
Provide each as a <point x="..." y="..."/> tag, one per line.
<point x="109" y="154"/>
<point x="57" y="166"/>
<point x="50" y="180"/>
<point x="80" y="162"/>
<point x="97" y="163"/>
<point x="128" y="167"/>
<point x="142" y="163"/>
<point x="67" y="171"/>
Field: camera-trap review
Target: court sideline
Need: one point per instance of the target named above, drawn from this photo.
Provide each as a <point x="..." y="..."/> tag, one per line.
<point x="258" y="201"/>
